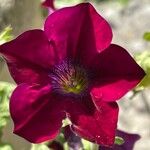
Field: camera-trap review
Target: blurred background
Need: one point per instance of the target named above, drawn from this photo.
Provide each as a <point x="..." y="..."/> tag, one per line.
<point x="130" y="22"/>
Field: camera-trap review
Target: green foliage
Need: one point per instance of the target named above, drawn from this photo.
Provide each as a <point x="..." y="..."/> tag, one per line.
<point x="120" y="1"/>
<point x="89" y="145"/>
<point x="86" y="144"/>
<point x="6" y="35"/>
<point x="5" y="91"/>
<point x="124" y="2"/>
<point x="60" y="138"/>
<point x="143" y="59"/>
<point x="146" y="36"/>
<point x="60" y="3"/>
<point x="5" y="147"/>
<point x="66" y="122"/>
<point x="119" y="140"/>
<point x="39" y="147"/>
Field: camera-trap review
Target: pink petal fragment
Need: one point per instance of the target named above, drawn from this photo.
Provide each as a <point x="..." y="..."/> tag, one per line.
<point x="48" y="3"/>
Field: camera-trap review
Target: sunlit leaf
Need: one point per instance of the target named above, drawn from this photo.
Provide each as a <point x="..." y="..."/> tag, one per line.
<point x="66" y="122"/>
<point x="66" y="147"/>
<point x="89" y="145"/>
<point x="124" y="2"/>
<point x="5" y="147"/>
<point x="39" y="147"/>
<point x="60" y="3"/>
<point x="143" y="59"/>
<point x="6" y="35"/>
<point x="146" y="36"/>
<point x="86" y="144"/>
<point x="5" y="91"/>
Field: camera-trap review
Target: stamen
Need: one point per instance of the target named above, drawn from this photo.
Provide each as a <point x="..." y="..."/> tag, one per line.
<point x="69" y="78"/>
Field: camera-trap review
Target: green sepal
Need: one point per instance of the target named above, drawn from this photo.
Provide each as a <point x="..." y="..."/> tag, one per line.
<point x="119" y="140"/>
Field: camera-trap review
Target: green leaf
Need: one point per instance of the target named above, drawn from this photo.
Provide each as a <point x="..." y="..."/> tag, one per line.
<point x="5" y="91"/>
<point x="5" y="147"/>
<point x="124" y="2"/>
<point x="146" y="36"/>
<point x="89" y="145"/>
<point x="86" y="144"/>
<point x="60" y="138"/>
<point x="6" y="35"/>
<point x="143" y="59"/>
<point x="119" y="140"/>
<point x="39" y="147"/>
<point x="65" y="145"/>
<point x="66" y="122"/>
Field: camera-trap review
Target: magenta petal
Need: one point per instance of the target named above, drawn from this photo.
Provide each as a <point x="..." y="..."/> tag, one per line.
<point x="29" y="57"/>
<point x="36" y="113"/>
<point x="78" y="32"/>
<point x="129" y="138"/>
<point x="96" y="124"/>
<point x="48" y="3"/>
<point x="116" y="73"/>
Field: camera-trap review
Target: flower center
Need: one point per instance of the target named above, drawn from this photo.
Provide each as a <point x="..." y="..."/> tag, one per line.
<point x="69" y="78"/>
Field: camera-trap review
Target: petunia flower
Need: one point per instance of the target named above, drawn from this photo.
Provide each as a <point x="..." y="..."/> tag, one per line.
<point x="72" y="70"/>
<point x="129" y="139"/>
